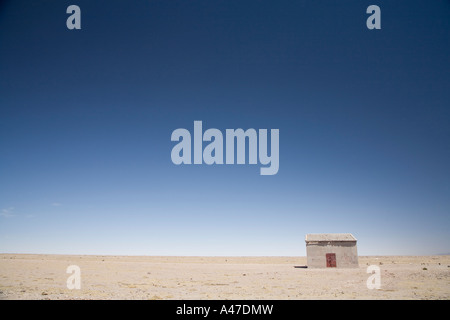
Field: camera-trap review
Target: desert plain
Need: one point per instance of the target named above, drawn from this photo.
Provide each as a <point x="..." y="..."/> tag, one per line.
<point x="36" y="277"/>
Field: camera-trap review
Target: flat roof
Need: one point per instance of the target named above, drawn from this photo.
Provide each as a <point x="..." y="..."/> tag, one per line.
<point x="317" y="237"/>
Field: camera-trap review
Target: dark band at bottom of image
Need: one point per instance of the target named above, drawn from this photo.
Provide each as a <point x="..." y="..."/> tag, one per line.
<point x="218" y="309"/>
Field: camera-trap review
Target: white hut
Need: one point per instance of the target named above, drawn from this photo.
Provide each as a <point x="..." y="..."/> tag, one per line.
<point x="331" y="250"/>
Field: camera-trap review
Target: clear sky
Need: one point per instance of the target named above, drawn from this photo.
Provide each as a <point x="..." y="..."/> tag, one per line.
<point x="87" y="115"/>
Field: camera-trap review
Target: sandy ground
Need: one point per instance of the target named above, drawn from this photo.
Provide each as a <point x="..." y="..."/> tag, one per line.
<point x="34" y="277"/>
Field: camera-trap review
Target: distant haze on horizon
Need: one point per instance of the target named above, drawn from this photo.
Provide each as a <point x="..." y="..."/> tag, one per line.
<point x="87" y="116"/>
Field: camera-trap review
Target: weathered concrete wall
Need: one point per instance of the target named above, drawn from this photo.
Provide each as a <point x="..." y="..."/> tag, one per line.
<point x="346" y="254"/>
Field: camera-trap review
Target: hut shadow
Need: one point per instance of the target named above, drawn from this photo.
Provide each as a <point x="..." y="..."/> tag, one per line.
<point x="301" y="267"/>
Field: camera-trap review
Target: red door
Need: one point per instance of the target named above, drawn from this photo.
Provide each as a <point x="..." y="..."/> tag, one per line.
<point x="331" y="260"/>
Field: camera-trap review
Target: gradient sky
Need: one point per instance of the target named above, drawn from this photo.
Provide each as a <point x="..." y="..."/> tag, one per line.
<point x="86" y="118"/>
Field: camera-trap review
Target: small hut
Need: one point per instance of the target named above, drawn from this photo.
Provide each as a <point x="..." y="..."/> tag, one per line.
<point x="331" y="250"/>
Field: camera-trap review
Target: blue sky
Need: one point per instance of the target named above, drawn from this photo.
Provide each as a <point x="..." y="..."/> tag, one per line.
<point x="87" y="115"/>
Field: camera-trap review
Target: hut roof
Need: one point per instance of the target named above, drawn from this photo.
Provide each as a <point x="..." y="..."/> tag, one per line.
<point x="329" y="237"/>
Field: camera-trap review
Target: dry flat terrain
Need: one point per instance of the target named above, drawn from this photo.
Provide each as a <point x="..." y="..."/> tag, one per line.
<point x="26" y="276"/>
